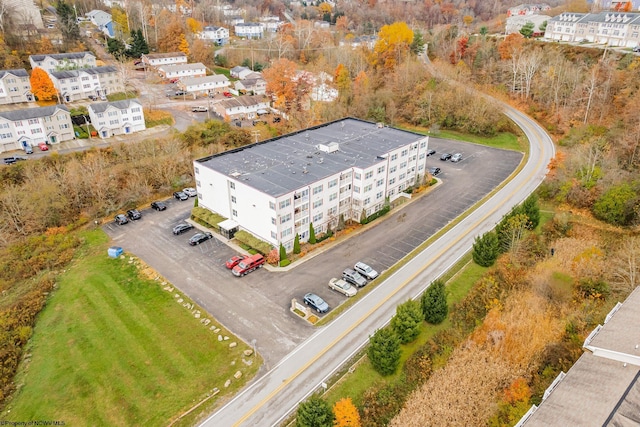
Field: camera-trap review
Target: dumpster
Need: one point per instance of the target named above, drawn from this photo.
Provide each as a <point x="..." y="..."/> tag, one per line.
<point x="115" y="251"/>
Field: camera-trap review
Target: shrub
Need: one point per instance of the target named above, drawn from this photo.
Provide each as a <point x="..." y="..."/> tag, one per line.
<point x="253" y="242"/>
<point x="381" y="403"/>
<point x="346" y="413"/>
<point x="273" y="257"/>
<point x="285" y="262"/>
<point x="434" y="303"/>
<point x="207" y="218"/>
<point x="407" y="321"/>
<point x="384" y="351"/>
<point x="616" y="205"/>
<point x="312" y="234"/>
<point x="296" y="244"/>
<point x="315" y="412"/>
<point x="341" y="223"/>
<point x="283" y="253"/>
<point x="486" y="249"/>
<point x="418" y="367"/>
<point x="593" y="288"/>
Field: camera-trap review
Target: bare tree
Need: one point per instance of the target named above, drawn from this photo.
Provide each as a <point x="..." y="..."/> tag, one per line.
<point x="626" y="265"/>
<point x="529" y="64"/>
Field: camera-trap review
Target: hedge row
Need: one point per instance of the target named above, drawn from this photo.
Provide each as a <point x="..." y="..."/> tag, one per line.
<point x="259" y="245"/>
<point x="206" y="216"/>
<point x="385" y="210"/>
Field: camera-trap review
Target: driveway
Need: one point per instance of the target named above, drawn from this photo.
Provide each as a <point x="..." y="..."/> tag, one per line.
<point x="256" y="306"/>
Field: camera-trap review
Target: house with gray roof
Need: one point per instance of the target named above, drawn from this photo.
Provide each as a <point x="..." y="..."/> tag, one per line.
<point x="275" y="189"/>
<point x="607" y="28"/>
<point x="158" y="59"/>
<point x="178" y="71"/>
<point x="87" y="83"/>
<point x="15" y="87"/>
<point x="117" y="117"/>
<point x="253" y="83"/>
<point x="102" y="20"/>
<point x="204" y="85"/>
<point x="63" y="61"/>
<point x="29" y="127"/>
<point x="217" y="35"/>
<point x="242" y="107"/>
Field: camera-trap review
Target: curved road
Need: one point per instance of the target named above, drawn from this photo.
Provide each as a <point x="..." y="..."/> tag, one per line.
<point x="275" y="395"/>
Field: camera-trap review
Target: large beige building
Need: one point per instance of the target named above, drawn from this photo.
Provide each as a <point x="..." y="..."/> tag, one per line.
<point x="608" y="28"/>
<point x="84" y="83"/>
<point x="15" y="87"/>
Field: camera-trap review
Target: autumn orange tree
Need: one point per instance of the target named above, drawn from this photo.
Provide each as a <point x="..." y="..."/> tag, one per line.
<point x="346" y="413"/>
<point x="42" y="86"/>
<point x="392" y="46"/>
<point x="170" y="36"/>
<point x="193" y="25"/>
<point x="286" y="85"/>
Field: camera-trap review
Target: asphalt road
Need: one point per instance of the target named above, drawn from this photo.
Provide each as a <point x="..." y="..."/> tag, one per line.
<point x="275" y="395"/>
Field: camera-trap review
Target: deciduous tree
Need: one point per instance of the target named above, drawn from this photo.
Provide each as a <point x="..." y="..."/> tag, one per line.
<point x="120" y="21"/>
<point x="384" y="351"/>
<point x="346" y="413"/>
<point x="434" y="303"/>
<point x="193" y="25"/>
<point x="616" y="205"/>
<point x="315" y="412"/>
<point x="41" y="85"/>
<point x="392" y="46"/>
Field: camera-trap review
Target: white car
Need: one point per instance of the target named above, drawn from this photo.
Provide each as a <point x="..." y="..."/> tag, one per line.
<point x="343" y="287"/>
<point x="456" y="157"/>
<point x="365" y="270"/>
<point x="191" y="192"/>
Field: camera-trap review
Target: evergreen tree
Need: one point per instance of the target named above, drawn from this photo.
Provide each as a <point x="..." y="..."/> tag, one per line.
<point x="384" y="351"/>
<point x="340" y="223"/>
<point x="67" y="23"/>
<point x="417" y="45"/>
<point x="116" y="48"/>
<point x="283" y="253"/>
<point x="363" y="217"/>
<point x="296" y="244"/>
<point x="527" y="30"/>
<point x="315" y="412"/>
<point x="407" y="321"/>
<point x="139" y="45"/>
<point x="486" y="249"/>
<point x="312" y="234"/>
<point x="434" y="303"/>
<point x="531" y="209"/>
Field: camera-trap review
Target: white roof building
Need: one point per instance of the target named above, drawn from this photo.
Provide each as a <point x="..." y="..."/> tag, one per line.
<point x="63" y="61"/>
<point x="157" y="59"/>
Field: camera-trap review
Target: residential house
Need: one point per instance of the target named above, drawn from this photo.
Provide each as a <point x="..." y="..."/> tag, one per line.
<point x="229" y="10"/>
<point x="515" y="23"/>
<point x="271" y="24"/>
<point x="276" y="189"/>
<point x="234" y="20"/>
<point x="158" y="59"/>
<point x="207" y="84"/>
<point x="15" y="86"/>
<point x="250" y="30"/>
<point x="33" y="126"/>
<point x="217" y="35"/>
<point x="239" y="72"/>
<point x="63" y="61"/>
<point x="242" y="107"/>
<point x="609" y="28"/>
<point x="323" y="25"/>
<point x="528" y="9"/>
<point x="86" y="83"/>
<point x="178" y="71"/>
<point x="117" y="117"/>
<point x="366" y="41"/>
<point x="102" y="20"/>
<point x="253" y="83"/>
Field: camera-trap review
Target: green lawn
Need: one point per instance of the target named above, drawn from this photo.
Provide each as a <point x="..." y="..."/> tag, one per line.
<point x="504" y="140"/>
<point x="112" y="348"/>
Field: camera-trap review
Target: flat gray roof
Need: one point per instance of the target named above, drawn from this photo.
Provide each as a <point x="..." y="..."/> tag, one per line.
<point x="284" y="164"/>
<point x="622" y="332"/>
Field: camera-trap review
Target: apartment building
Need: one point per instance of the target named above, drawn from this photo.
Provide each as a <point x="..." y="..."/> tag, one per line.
<point x="15" y="87"/>
<point x="276" y="188"/>
<point x="32" y="126"/>
<point x="158" y="59"/>
<point x="242" y="107"/>
<point x="250" y="30"/>
<point x="178" y="71"/>
<point x="609" y="28"/>
<point x="206" y="84"/>
<point x="86" y="83"/>
<point x="117" y="117"/>
<point x="217" y="35"/>
<point x="63" y="61"/>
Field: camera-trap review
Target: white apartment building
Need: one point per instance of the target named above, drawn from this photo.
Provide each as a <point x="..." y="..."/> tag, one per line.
<point x="63" y="61"/>
<point x="157" y="59"/>
<point x="178" y="71"/>
<point x="96" y="82"/>
<point x="15" y="87"/>
<point x="117" y="118"/>
<point x="276" y="188"/>
<point x="609" y="28"/>
<point x="32" y="126"/>
<point x="250" y="30"/>
<point x="208" y="84"/>
<point x="271" y="24"/>
<point x="218" y="35"/>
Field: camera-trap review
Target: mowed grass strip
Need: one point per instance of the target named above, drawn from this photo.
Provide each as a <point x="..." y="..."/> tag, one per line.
<point x="112" y="348"/>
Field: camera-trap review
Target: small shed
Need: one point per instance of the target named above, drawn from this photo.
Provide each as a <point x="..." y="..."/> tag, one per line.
<point x="115" y="251"/>
<point x="228" y="228"/>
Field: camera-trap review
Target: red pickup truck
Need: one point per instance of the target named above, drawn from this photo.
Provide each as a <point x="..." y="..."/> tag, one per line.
<point x="248" y="264"/>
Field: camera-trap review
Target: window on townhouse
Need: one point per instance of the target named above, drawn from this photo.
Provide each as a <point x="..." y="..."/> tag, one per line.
<point x="233" y="199"/>
<point x="5" y="135"/>
<point x="137" y="118"/>
<point x="64" y="126"/>
<point x="18" y="123"/>
<point x="100" y="115"/>
<point x="113" y="122"/>
<point x="35" y="131"/>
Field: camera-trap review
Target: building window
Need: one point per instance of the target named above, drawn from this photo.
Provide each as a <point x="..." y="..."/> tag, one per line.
<point x="232" y="185"/>
<point x="368" y="175"/>
<point x="285" y="218"/>
<point x="357" y="175"/>
<point x="285" y="203"/>
<point x="381" y="169"/>
<point x="403" y="165"/>
<point x="333" y="196"/>
<point x="392" y="181"/>
<point x="317" y="204"/>
<point x="423" y="144"/>
<point x="234" y="212"/>
<point x="197" y="170"/>
<point x="332" y="211"/>
<point x="33" y="121"/>
<point x="272" y="205"/>
<point x="333" y="183"/>
<point x="393" y="169"/>
<point x="404" y="153"/>
<point x="274" y="235"/>
<point x="379" y="195"/>
<point x="356" y="189"/>
<point x="380" y="182"/>
<point x="273" y="221"/>
<point x="394" y="157"/>
<point x="318" y="217"/>
<point x="317" y="189"/>
<point x="367" y="201"/>
<point x="233" y="199"/>
<point x="368" y="188"/>
<point x="422" y="156"/>
<point x="286" y="232"/>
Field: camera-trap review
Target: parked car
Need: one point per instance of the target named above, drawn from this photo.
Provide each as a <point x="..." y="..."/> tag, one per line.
<point x="233" y="261"/>
<point x="248" y="264"/>
<point x="636" y="49"/>
<point x="93" y="97"/>
<point x="134" y="214"/>
<point x="182" y="228"/>
<point x="431" y="152"/>
<point x="13" y="159"/>
<point x="343" y="287"/>
<point x="317" y="303"/>
<point x="174" y="80"/>
<point x="227" y="94"/>
<point x="180" y="196"/>
<point x="456" y="157"/>
<point x="445" y="156"/>
<point x="121" y="219"/>
<point x="28" y="149"/>
<point x="200" y="109"/>
<point x="159" y="206"/>
<point x="353" y="277"/>
<point x="198" y="238"/>
<point x="365" y="270"/>
<point x="43" y="146"/>
<point x="180" y="92"/>
<point x="191" y="192"/>
<point x="434" y="171"/>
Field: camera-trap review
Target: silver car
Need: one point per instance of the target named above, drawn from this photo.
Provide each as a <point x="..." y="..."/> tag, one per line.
<point x="456" y="157"/>
<point x="343" y="287"/>
<point x="353" y="277"/>
<point x="365" y="270"/>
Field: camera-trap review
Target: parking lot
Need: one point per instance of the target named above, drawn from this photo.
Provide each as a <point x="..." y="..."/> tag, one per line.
<point x="256" y="306"/>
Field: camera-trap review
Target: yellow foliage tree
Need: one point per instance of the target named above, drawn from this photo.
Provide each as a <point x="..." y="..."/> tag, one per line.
<point x="184" y="45"/>
<point x="392" y="46"/>
<point x="346" y="413"/>
<point x="343" y="79"/>
<point x="121" y="20"/>
<point x="42" y="86"/>
<point x="46" y="46"/>
<point x="324" y="8"/>
<point x="194" y="25"/>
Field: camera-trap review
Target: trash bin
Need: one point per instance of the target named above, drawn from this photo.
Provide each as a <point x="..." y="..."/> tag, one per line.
<point x="115" y="251"/>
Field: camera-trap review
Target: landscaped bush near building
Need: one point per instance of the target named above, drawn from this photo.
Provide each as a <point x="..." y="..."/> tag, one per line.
<point x="248" y="239"/>
<point x="207" y="218"/>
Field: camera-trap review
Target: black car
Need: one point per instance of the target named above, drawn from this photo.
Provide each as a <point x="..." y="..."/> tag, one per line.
<point x="445" y="156"/>
<point x="182" y="228"/>
<point x="196" y="239"/>
<point x="159" y="206"/>
<point x="121" y="219"/>
<point x="434" y="171"/>
<point x="134" y="214"/>
<point x="431" y="152"/>
<point x="180" y="196"/>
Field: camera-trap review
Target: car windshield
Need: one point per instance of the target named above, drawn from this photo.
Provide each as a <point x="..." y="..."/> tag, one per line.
<point x="366" y="268"/>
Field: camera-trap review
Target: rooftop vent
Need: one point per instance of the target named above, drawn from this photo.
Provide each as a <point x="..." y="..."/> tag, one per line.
<point x="331" y="147"/>
<point x="379" y="125"/>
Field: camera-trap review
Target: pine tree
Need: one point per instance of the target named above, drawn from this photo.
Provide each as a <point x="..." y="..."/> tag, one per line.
<point x="312" y="234"/>
<point x="296" y="244"/>
<point x="283" y="253"/>
<point x="41" y="85"/>
<point x="531" y="209"/>
<point x="340" y="223"/>
<point x="384" y="351"/>
<point x="486" y="249"/>
<point x="315" y="412"/>
<point x="434" y="303"/>
<point x="407" y="321"/>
